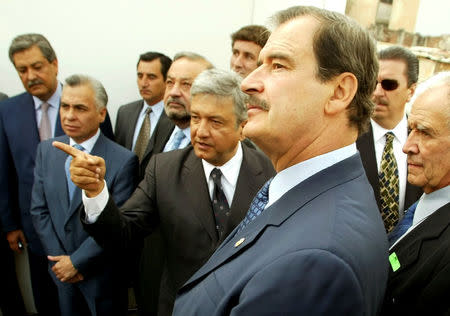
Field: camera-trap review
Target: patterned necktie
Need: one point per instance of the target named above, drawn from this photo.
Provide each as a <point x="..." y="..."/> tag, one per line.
<point x="403" y="225"/>
<point x="179" y="136"/>
<point x="144" y="135"/>
<point x="219" y="202"/>
<point x="70" y="184"/>
<point x="389" y="185"/>
<point x="257" y="206"/>
<point x="45" y="130"/>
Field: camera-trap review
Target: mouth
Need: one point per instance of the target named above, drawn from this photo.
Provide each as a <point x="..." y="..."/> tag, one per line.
<point x="202" y="145"/>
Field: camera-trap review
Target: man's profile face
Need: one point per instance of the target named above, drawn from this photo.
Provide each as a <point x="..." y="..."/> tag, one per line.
<point x="37" y="74"/>
<point x="390" y="105"/>
<point x="214" y="131"/>
<point x="244" y="58"/>
<point x="151" y="81"/>
<point x="80" y="117"/>
<point x="428" y="143"/>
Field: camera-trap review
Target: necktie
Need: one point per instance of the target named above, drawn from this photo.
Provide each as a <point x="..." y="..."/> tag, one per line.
<point x="45" y="130"/>
<point x="389" y="186"/>
<point x="403" y="225"/>
<point x="70" y="184"/>
<point x="257" y="206"/>
<point x="179" y="136"/>
<point x="144" y="135"/>
<point x="219" y="202"/>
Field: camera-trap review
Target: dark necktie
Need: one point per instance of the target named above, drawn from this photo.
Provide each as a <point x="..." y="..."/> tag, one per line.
<point x="389" y="185"/>
<point x="144" y="135"/>
<point x="219" y="202"/>
<point x="403" y="225"/>
<point x="70" y="185"/>
<point x="257" y="206"/>
<point x="45" y="130"/>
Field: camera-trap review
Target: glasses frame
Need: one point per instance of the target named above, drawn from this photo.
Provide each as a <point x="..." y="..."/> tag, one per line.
<point x="389" y="84"/>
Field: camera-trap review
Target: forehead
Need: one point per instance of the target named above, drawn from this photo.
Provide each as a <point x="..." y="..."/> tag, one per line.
<point x="246" y="46"/>
<point x="432" y="106"/>
<point x="184" y="68"/>
<point x="153" y="66"/>
<point x="392" y="69"/>
<point x="82" y="94"/>
<point x="209" y="104"/>
<point x="28" y="56"/>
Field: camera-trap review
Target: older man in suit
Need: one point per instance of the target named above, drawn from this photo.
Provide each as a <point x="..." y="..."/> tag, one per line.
<point x="419" y="278"/>
<point x="87" y="278"/>
<point x="25" y="120"/>
<point x="196" y="195"/>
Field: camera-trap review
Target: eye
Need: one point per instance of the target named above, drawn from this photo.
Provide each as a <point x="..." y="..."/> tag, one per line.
<point x="169" y="82"/>
<point x="277" y="66"/>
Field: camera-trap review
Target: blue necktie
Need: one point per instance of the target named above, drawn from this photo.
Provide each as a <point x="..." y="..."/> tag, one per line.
<point x="70" y="185"/>
<point x="179" y="136"/>
<point x="402" y="226"/>
<point x="257" y="206"/>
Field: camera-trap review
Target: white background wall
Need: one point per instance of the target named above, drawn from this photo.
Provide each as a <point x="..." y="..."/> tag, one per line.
<point x="104" y="38"/>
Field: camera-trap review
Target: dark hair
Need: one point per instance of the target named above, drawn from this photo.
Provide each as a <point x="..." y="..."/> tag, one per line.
<point x="25" y="41"/>
<point x="405" y="55"/>
<point x="257" y="34"/>
<point x="165" y="61"/>
<point x="341" y="45"/>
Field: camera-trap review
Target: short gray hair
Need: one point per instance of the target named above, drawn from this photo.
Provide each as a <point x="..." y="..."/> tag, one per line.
<point x="193" y="57"/>
<point x="25" y="41"/>
<point x="100" y="95"/>
<point x="224" y="84"/>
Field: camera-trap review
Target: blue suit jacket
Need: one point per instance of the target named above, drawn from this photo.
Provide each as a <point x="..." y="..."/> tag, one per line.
<point x="56" y="220"/>
<point x="19" y="138"/>
<point x="320" y="249"/>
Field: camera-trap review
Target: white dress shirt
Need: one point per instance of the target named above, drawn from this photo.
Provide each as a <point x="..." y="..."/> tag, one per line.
<point x="401" y="134"/>
<point x="155" y="114"/>
<point x="184" y="143"/>
<point x="53" y="108"/>
<point x="87" y="144"/>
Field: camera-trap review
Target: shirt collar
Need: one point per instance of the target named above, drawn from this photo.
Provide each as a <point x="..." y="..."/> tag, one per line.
<point x="429" y="203"/>
<point x="227" y="168"/>
<point x="54" y="100"/>
<point x="400" y="131"/>
<point x="88" y="145"/>
<point x="156" y="108"/>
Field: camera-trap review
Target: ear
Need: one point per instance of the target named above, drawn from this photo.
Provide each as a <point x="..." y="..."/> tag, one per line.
<point x="345" y="86"/>
<point x="102" y="112"/>
<point x="241" y="129"/>
<point x="411" y="91"/>
<point x="55" y="64"/>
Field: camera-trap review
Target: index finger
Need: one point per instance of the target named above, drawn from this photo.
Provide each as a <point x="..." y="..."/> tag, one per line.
<point x="67" y="148"/>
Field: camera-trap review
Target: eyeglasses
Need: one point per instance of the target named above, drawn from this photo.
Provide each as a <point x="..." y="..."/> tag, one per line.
<point x="389" y="84"/>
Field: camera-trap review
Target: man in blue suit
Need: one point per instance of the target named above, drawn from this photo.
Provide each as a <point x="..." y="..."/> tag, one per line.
<point x="25" y="120"/>
<point x="313" y="242"/>
<point x="86" y="277"/>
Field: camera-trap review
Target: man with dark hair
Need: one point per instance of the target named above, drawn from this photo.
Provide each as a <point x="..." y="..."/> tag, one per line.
<point x="89" y="280"/>
<point x="312" y="242"/>
<point x="246" y="43"/>
<point x="140" y="123"/>
<point x="381" y="146"/>
<point x="25" y="120"/>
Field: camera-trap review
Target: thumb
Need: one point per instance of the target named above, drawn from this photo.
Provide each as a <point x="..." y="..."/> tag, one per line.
<point x="54" y="258"/>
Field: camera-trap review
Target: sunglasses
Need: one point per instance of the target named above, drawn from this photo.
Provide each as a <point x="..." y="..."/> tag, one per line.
<point x="389" y="84"/>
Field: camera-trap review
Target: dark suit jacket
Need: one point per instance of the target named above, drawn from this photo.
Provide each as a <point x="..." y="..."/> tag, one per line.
<point x="421" y="285"/>
<point x="174" y="195"/>
<point x="127" y="117"/>
<point x="319" y="250"/>
<point x="19" y="138"/>
<point x="3" y="96"/>
<point x="56" y="219"/>
<point x="366" y="148"/>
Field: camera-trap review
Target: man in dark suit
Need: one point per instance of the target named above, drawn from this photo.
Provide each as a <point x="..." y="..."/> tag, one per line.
<point x="419" y="278"/>
<point x="3" y="96"/>
<point x="86" y="277"/>
<point x="396" y="82"/>
<point x="196" y="195"/>
<point x="313" y="242"/>
<point x="141" y="122"/>
<point x="25" y="120"/>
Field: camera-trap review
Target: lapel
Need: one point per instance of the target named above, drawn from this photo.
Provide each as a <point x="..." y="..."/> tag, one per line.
<point x="193" y="180"/>
<point x="58" y="128"/>
<point x="60" y="177"/>
<point x="409" y="247"/>
<point x="28" y="112"/>
<point x="131" y="119"/>
<point x="160" y="136"/>
<point x="281" y="210"/>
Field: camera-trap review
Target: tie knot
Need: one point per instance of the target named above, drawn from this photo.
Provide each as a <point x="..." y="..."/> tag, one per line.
<point x="79" y="147"/>
<point x="389" y="137"/>
<point x="148" y="110"/>
<point x="216" y="175"/>
<point x="44" y="107"/>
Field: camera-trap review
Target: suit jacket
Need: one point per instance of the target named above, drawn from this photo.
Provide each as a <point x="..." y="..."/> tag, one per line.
<point x="19" y="138"/>
<point x="127" y="117"/>
<point x="366" y="148"/>
<point x="3" y="96"/>
<point x="174" y="196"/>
<point x="422" y="283"/>
<point x="56" y="218"/>
<point x="319" y="250"/>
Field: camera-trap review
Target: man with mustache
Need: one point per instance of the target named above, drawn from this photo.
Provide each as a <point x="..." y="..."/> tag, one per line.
<point x="25" y="120"/>
<point x="396" y="82"/>
<point x="419" y="280"/>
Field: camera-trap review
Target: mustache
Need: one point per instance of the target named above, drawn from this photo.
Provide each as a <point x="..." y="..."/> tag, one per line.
<point x="34" y="82"/>
<point x="176" y="100"/>
<point x="254" y="101"/>
<point x="378" y="100"/>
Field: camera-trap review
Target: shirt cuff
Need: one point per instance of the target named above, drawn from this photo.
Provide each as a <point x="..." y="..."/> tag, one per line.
<point x="95" y="206"/>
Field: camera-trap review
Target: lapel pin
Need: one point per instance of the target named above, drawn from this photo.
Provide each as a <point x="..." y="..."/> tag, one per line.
<point x="239" y="242"/>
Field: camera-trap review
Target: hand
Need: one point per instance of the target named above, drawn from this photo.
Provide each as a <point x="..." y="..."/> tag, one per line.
<point x="63" y="268"/>
<point x="77" y="278"/>
<point x="14" y="237"/>
<point x="86" y="171"/>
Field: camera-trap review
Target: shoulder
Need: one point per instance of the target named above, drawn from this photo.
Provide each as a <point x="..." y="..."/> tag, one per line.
<point x="118" y="150"/>
<point x="11" y="103"/>
<point x="254" y="156"/>
<point x="131" y="106"/>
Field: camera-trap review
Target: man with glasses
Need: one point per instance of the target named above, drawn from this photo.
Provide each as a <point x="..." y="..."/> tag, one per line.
<point x="381" y="146"/>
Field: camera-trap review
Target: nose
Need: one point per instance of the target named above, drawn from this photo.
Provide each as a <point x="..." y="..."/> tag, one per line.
<point x="410" y="146"/>
<point x="379" y="91"/>
<point x="175" y="90"/>
<point x="253" y="83"/>
<point x="236" y="61"/>
<point x="202" y="129"/>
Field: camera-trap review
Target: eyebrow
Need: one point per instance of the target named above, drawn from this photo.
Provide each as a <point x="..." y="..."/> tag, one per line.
<point x="278" y="55"/>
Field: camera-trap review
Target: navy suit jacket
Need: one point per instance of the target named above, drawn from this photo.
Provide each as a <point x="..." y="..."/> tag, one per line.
<point x="321" y="249"/>
<point x="56" y="219"/>
<point x="19" y="138"/>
